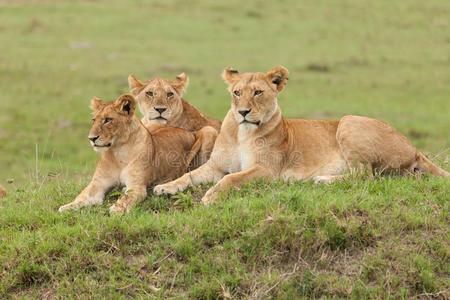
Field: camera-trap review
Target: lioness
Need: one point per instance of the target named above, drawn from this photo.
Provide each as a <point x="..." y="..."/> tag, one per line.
<point x="2" y="192"/>
<point x="131" y="155"/>
<point x="257" y="142"/>
<point x="161" y="103"/>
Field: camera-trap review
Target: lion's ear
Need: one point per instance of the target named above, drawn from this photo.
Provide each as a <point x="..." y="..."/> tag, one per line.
<point x="135" y="85"/>
<point x="278" y="76"/>
<point x="230" y="75"/>
<point x="96" y="103"/>
<point x="126" y="104"/>
<point x="180" y="83"/>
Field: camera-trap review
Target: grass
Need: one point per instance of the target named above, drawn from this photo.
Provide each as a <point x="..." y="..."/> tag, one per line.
<point x="361" y="238"/>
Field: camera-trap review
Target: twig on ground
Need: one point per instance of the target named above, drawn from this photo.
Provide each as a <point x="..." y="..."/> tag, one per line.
<point x="162" y="259"/>
<point x="174" y="277"/>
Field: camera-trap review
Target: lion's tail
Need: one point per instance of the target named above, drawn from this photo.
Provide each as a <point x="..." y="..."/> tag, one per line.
<point x="194" y="150"/>
<point x="428" y="166"/>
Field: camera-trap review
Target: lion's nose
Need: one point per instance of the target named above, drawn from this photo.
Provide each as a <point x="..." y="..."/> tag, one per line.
<point x="244" y="112"/>
<point x="93" y="138"/>
<point x="160" y="109"/>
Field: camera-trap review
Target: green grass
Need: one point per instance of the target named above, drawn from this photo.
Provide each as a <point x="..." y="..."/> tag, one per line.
<point x="361" y="238"/>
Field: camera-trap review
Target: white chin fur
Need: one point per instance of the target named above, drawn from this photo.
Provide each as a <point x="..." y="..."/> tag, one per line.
<point x="248" y="126"/>
<point x="159" y="121"/>
<point x="100" y="149"/>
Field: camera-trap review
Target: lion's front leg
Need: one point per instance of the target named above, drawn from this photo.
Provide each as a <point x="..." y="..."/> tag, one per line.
<point x="205" y="139"/>
<point x="132" y="196"/>
<point x="206" y="173"/>
<point x="105" y="177"/>
<point x="235" y="180"/>
<point x="136" y="180"/>
<point x="93" y="194"/>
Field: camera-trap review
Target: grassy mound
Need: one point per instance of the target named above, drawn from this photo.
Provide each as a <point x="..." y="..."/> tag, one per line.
<point x="361" y="238"/>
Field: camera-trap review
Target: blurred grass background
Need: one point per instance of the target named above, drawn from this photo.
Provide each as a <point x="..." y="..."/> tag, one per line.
<point x="384" y="59"/>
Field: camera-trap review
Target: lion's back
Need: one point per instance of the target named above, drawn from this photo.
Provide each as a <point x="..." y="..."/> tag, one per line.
<point x="173" y="138"/>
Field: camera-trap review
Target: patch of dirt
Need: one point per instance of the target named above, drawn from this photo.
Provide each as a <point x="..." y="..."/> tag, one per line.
<point x="139" y="263"/>
<point x="356" y="62"/>
<point x="417" y="134"/>
<point x="318" y="67"/>
<point x="34" y="25"/>
<point x="80" y="45"/>
<point x="254" y="14"/>
<point x="348" y="262"/>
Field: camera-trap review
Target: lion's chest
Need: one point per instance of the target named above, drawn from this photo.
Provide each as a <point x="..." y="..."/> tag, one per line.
<point x="237" y="159"/>
<point x="234" y="157"/>
<point x="245" y="153"/>
<point x="124" y="176"/>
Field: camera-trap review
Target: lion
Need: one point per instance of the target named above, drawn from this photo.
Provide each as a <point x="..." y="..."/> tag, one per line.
<point x="161" y="103"/>
<point x="2" y="192"/>
<point x="131" y="155"/>
<point x="256" y="141"/>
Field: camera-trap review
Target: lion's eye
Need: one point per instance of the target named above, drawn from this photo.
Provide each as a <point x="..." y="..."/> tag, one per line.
<point x="237" y="93"/>
<point x="107" y="120"/>
<point x="258" y="92"/>
<point x="169" y="94"/>
<point x="149" y="93"/>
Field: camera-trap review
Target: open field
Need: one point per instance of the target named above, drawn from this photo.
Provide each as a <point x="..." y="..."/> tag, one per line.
<point x="361" y="238"/>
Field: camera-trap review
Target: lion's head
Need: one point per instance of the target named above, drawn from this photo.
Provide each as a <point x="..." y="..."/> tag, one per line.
<point x="254" y="95"/>
<point x="159" y="99"/>
<point x="112" y="122"/>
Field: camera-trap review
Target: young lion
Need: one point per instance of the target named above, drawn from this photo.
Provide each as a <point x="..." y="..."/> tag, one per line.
<point x="161" y="103"/>
<point x="257" y="142"/>
<point x="130" y="155"/>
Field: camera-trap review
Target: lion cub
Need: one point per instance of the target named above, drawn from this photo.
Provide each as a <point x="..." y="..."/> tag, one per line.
<point x="131" y="155"/>
<point x="257" y="142"/>
<point x="161" y="103"/>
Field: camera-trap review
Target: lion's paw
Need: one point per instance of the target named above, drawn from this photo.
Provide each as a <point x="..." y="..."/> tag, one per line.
<point x="117" y="210"/>
<point x="325" y="179"/>
<point x="66" y="207"/>
<point x="165" y="189"/>
<point x="210" y="197"/>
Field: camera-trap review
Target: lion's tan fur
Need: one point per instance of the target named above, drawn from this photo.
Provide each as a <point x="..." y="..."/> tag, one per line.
<point x="131" y="155"/>
<point x="269" y="146"/>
